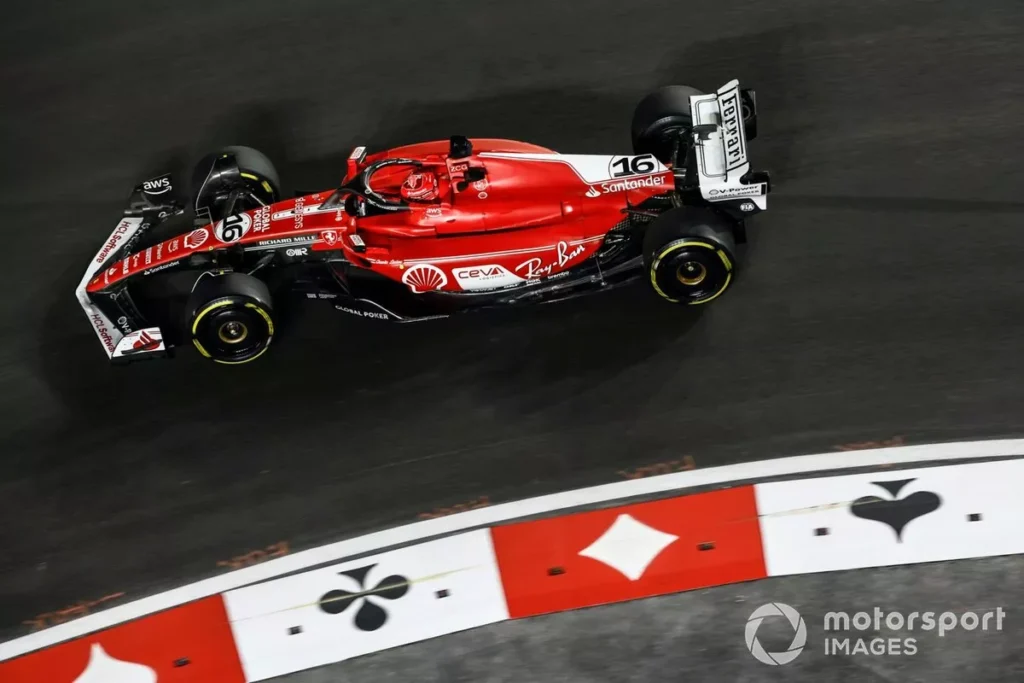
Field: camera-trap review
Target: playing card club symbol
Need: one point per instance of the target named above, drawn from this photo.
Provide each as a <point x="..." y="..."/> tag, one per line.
<point x="898" y="512"/>
<point x="370" y="616"/>
<point x="102" y="668"/>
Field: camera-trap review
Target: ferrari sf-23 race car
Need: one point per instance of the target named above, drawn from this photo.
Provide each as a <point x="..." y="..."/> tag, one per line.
<point x="430" y="229"/>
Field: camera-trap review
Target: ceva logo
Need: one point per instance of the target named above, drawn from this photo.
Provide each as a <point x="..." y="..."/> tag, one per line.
<point x="479" y="273"/>
<point x="491" y="276"/>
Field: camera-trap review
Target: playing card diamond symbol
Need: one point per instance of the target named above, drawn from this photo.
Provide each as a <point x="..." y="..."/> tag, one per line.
<point x="629" y="546"/>
<point x="102" y="668"/>
<point x="369" y="615"/>
<point x="898" y="512"/>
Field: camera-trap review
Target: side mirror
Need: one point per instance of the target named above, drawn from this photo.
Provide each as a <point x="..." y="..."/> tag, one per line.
<point x="704" y="131"/>
<point x="474" y="174"/>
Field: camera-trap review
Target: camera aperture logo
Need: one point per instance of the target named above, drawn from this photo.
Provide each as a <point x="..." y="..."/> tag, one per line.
<point x="776" y="609"/>
<point x="873" y="622"/>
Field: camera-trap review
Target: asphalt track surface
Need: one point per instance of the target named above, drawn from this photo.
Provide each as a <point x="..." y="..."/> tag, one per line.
<point x="881" y="296"/>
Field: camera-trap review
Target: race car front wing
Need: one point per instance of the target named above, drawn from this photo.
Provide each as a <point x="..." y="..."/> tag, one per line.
<point x="113" y="316"/>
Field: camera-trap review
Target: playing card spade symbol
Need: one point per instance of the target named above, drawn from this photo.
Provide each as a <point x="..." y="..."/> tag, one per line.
<point x="898" y="512"/>
<point x="102" y="668"/>
<point x="369" y="615"/>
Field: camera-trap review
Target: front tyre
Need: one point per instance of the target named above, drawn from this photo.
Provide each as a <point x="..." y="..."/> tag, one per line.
<point x="689" y="255"/>
<point x="231" y="318"/>
<point x="238" y="171"/>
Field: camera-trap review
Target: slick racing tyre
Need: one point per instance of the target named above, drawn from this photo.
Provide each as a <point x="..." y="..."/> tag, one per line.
<point x="230" y="318"/>
<point x="220" y="173"/>
<point x="660" y="119"/>
<point x="689" y="255"/>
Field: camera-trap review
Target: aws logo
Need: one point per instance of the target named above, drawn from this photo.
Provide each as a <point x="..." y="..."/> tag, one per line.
<point x="160" y="185"/>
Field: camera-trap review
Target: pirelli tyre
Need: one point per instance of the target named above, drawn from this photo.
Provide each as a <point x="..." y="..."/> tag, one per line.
<point x="230" y="318"/>
<point x="214" y="178"/>
<point x="689" y="254"/>
<point x="660" y="119"/>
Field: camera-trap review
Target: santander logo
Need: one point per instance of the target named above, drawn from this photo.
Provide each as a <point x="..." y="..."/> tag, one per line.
<point x="624" y="185"/>
<point x="102" y="668"/>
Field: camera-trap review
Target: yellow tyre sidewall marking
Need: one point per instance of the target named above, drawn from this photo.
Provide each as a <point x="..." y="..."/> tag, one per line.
<point x="266" y="317"/>
<point x="675" y="246"/>
<point x="263" y="183"/>
<point x="227" y="302"/>
<point x="202" y="314"/>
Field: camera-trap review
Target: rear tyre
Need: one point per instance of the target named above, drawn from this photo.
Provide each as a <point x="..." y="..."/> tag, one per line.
<point x="660" y="118"/>
<point x="230" y="318"/>
<point x="689" y="255"/>
<point x="213" y="181"/>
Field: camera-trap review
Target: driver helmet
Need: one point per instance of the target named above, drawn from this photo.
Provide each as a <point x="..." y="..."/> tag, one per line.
<point x="420" y="186"/>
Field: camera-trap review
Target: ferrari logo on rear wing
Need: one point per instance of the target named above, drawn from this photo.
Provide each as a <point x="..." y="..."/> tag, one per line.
<point x="720" y="123"/>
<point x="734" y="140"/>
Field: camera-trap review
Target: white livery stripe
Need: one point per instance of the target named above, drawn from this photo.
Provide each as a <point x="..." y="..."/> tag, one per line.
<point x="496" y="254"/>
<point x="591" y="168"/>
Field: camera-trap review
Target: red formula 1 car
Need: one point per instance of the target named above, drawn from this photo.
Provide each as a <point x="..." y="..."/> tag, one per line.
<point x="430" y="229"/>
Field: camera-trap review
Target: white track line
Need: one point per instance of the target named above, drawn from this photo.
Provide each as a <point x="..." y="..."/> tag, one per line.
<point x="502" y="513"/>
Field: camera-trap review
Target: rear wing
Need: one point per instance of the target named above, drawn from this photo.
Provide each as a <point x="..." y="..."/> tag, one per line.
<point x="722" y="123"/>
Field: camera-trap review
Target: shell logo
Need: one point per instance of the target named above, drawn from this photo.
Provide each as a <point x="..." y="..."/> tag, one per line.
<point x="424" y="277"/>
<point x="196" y="238"/>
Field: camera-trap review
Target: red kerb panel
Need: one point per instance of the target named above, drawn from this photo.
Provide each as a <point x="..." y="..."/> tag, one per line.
<point x="630" y="552"/>
<point x="191" y="643"/>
